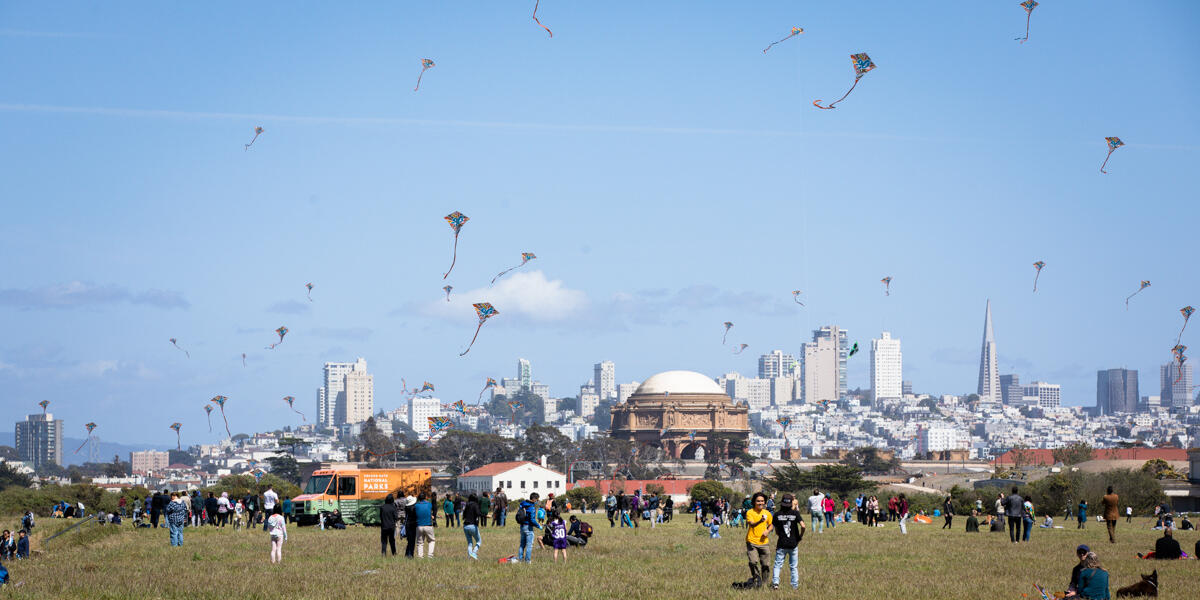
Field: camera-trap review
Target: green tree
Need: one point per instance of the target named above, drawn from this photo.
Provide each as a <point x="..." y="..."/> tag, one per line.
<point x="285" y="467"/>
<point x="9" y="477"/>
<point x="841" y="480"/>
<point x="708" y="490"/>
<point x="180" y="457"/>
<point x="655" y="488"/>
<point x="543" y="440"/>
<point x="467" y="450"/>
<point x="584" y="496"/>
<point x="115" y="468"/>
<point x="867" y="460"/>
<point x="1160" y="469"/>
<point x="602" y="418"/>
<point x="531" y="411"/>
<point x="374" y="441"/>
<point x="1073" y="454"/>
<point x="9" y="453"/>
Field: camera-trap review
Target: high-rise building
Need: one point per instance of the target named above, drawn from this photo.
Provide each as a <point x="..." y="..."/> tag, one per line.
<point x="776" y="364"/>
<point x="625" y="390"/>
<point x="838" y="343"/>
<point x="605" y="379"/>
<point x="1011" y="391"/>
<point x="989" y="374"/>
<point x="783" y="390"/>
<point x="360" y="395"/>
<point x="1116" y="391"/>
<point x="334" y="386"/>
<point x="524" y="373"/>
<point x="887" y="366"/>
<point x="756" y="393"/>
<point x="1176" y="385"/>
<point x="419" y="412"/>
<point x="39" y="440"/>
<point x="819" y="377"/>
<point x="906" y="388"/>
<point x="540" y="390"/>
<point x="148" y="460"/>
<point x="1047" y="395"/>
<point x="588" y="401"/>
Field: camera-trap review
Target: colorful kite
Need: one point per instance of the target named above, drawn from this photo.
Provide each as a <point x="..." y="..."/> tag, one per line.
<point x="243" y="360"/>
<point x="282" y="331"/>
<point x="887" y="285"/>
<point x="1039" y="265"/>
<point x="439" y="424"/>
<point x="485" y="310"/>
<point x="1028" y="5"/>
<point x="257" y="132"/>
<point x="1145" y="284"/>
<point x="185" y="352"/>
<point x="741" y="347"/>
<point x="1187" y="314"/>
<point x="784" y="422"/>
<point x="535" y="19"/>
<point x="292" y="405"/>
<point x="796" y="297"/>
<point x="456" y="221"/>
<point x="459" y="406"/>
<point x="425" y="387"/>
<point x="853" y="350"/>
<point x="44" y="404"/>
<point x="795" y="32"/>
<point x="1178" y="351"/>
<point x="426" y="64"/>
<point x="208" y="411"/>
<point x="447" y="289"/>
<point x="220" y="402"/>
<point x="1113" y="144"/>
<point x="692" y="435"/>
<point x="309" y="287"/>
<point x="491" y="383"/>
<point x="525" y="257"/>
<point x="90" y="427"/>
<point x="862" y="64"/>
<point x="728" y="326"/>
<point x="513" y="405"/>
<point x="178" y="442"/>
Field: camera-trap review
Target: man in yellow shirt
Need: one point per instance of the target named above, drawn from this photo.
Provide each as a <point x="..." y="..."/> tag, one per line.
<point x="759" y="525"/>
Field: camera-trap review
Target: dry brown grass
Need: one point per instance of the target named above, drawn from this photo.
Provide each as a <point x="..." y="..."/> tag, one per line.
<point x="675" y="561"/>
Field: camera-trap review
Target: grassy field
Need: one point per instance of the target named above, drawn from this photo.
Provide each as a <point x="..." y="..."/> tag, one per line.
<point x="673" y="561"/>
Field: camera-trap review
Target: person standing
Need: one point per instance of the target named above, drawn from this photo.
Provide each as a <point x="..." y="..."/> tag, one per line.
<point x="1128" y="514"/>
<point x="527" y="520"/>
<point x="789" y="526"/>
<point x="448" y="510"/>
<point x="198" y="504"/>
<point x="758" y="526"/>
<point x="210" y="507"/>
<point x="891" y="506"/>
<point x="187" y="504"/>
<point x="815" y="510"/>
<point x="289" y="509"/>
<point x="1081" y="514"/>
<point x="270" y="499"/>
<point x="610" y="508"/>
<point x="277" y="528"/>
<point x="470" y="519"/>
<point x="176" y="516"/>
<point x="1027" y="517"/>
<point x="485" y="509"/>
<point x="156" y="508"/>
<point x="410" y="526"/>
<point x="424" y="510"/>
<point x="829" y="505"/>
<point x="1111" y="505"/>
<point x="389" y="513"/>
<point x="948" y="512"/>
<point x="558" y="533"/>
<point x="121" y="505"/>
<point x="1013" y="507"/>
<point x="902" y="512"/>
<point x="500" y="501"/>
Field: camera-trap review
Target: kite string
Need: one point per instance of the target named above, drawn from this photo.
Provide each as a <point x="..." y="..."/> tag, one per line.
<point x="839" y="99"/>
<point x="535" y="19"/>
<point x="469" y="346"/>
<point x="454" y="258"/>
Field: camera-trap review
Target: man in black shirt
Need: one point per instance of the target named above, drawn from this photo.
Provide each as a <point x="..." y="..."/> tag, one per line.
<point x="790" y="527"/>
<point x="1166" y="548"/>
<point x="1073" y="585"/>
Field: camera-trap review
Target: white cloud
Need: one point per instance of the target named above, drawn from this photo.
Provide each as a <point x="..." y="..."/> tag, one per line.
<point x="526" y="296"/>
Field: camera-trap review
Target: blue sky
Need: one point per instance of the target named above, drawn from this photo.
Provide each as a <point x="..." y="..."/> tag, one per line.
<point x="668" y="174"/>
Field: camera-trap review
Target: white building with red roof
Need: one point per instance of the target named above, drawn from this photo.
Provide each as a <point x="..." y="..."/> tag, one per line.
<point x="517" y="478"/>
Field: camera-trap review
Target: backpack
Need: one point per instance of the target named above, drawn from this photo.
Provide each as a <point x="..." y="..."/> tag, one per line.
<point x="585" y="529"/>
<point x="522" y="515"/>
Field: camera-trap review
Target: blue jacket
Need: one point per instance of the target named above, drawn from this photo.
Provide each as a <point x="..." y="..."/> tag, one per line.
<point x="287" y="506"/>
<point x="424" y="512"/>
<point x="1093" y="584"/>
<point x="23" y="547"/>
<point x="535" y="514"/>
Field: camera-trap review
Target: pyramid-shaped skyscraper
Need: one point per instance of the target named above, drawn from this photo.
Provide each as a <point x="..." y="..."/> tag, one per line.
<point x="989" y="374"/>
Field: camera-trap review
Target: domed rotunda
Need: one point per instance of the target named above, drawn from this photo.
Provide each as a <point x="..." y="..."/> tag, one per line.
<point x="683" y="412"/>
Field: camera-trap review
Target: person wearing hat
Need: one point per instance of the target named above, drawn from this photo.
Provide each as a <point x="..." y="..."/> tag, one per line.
<point x="1073" y="586"/>
<point x="410" y="526"/>
<point x="789" y="526"/>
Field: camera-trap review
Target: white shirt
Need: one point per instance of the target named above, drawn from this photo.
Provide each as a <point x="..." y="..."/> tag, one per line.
<point x="269" y="499"/>
<point x="223" y="503"/>
<point x="814" y="503"/>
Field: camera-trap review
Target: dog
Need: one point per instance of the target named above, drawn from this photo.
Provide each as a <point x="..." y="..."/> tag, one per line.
<point x="1148" y="586"/>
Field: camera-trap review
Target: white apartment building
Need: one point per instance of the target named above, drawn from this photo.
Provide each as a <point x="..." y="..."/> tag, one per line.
<point x="886" y="368"/>
<point x="331" y="396"/>
<point x="937" y="439"/>
<point x="605" y="379"/>
<point x="625" y="390"/>
<point x="1045" y="395"/>
<point x="756" y="393"/>
<point x="359" y="394"/>
<point x="775" y="364"/>
<point x="419" y="412"/>
<point x="524" y="373"/>
<point x="783" y="390"/>
<point x="549" y="410"/>
<point x="148" y="460"/>
<point x="820" y="371"/>
<point x="588" y="401"/>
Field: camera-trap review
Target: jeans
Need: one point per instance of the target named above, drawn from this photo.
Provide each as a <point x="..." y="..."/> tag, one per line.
<point x="792" y="555"/>
<point x="1014" y="529"/>
<point x="472" y="533"/>
<point x="819" y="521"/>
<point x="176" y="534"/>
<point x="1028" y="527"/>
<point x="525" y="551"/>
<point x="829" y="518"/>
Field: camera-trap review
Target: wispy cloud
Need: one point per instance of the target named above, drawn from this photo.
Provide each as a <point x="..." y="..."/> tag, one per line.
<point x="289" y="307"/>
<point x="525" y="296"/>
<point x="77" y="294"/>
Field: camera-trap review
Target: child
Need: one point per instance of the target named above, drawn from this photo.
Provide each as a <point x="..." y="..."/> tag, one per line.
<point x="239" y="512"/>
<point x="559" y="531"/>
<point x="714" y="528"/>
<point x="277" y="526"/>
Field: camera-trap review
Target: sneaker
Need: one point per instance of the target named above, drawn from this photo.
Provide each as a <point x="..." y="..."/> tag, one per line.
<point x="774" y="586"/>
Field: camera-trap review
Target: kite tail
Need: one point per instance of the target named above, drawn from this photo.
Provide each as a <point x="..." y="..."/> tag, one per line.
<point x="251" y="141"/>
<point x="724" y="336"/>
<point x="178" y="442"/>
<point x="1027" y="17"/>
<point x="817" y="103"/>
<point x="210" y="423"/>
<point x="83" y="444"/>
<point x="453" y="258"/>
<point x="301" y="415"/>
<point x="464" y="352"/>
<point x="535" y="19"/>
<point x="422" y="74"/>
<point x="226" y="423"/>
<point x="1035" y="280"/>
<point x="1105" y="163"/>
<point x="769" y="46"/>
<point x="501" y="274"/>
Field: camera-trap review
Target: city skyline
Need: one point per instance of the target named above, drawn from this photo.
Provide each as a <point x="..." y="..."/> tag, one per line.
<point x="137" y="216"/>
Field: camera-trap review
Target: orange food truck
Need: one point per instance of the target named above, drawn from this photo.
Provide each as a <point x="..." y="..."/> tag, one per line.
<point x="357" y="493"/>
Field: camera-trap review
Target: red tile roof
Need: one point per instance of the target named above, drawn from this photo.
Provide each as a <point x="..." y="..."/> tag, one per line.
<point x="674" y="487"/>
<point x="501" y="467"/>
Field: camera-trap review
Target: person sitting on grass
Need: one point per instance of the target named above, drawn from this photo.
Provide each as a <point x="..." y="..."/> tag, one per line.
<point x="1166" y="548"/>
<point x="1047" y="523"/>
<point x="1073" y="585"/>
<point x="1185" y="524"/>
<point x="22" y="544"/>
<point x="335" y="520"/>
<point x="579" y="532"/>
<point x="8" y="545"/>
<point x="973" y="522"/>
<point x="1093" y="580"/>
<point x="714" y="528"/>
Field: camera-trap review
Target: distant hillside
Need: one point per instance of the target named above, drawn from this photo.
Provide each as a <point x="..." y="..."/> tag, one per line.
<point x="106" y="452"/>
